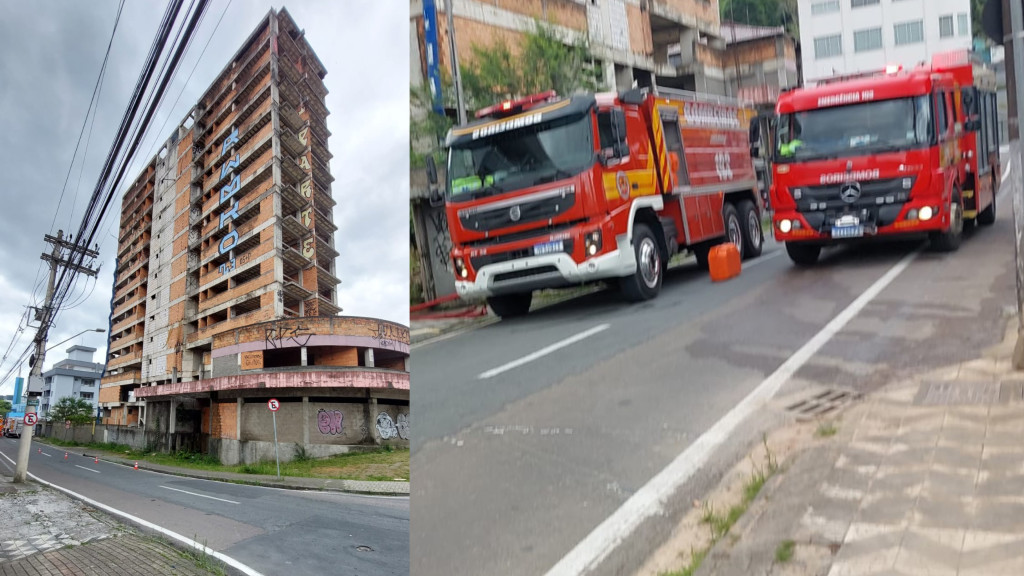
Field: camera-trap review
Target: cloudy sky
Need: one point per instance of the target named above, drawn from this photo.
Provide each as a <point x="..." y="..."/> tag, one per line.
<point x="50" y="54"/>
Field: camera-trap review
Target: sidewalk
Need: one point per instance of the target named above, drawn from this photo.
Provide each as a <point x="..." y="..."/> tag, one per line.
<point x="46" y="533"/>
<point x="287" y="482"/>
<point x="923" y="477"/>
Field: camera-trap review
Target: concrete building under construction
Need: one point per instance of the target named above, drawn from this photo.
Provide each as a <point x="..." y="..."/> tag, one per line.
<point x="225" y="293"/>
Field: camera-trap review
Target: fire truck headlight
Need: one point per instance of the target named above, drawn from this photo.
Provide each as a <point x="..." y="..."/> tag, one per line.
<point x="925" y="213"/>
<point x="785" y="226"/>
<point x="460" y="268"/>
<point x="592" y="242"/>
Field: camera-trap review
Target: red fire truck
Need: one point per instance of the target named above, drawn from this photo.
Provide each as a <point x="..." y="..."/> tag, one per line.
<point x="549" y="191"/>
<point x="892" y="153"/>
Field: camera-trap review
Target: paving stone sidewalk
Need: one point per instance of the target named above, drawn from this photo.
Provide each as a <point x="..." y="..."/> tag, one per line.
<point x="45" y="533"/>
<point x="925" y="477"/>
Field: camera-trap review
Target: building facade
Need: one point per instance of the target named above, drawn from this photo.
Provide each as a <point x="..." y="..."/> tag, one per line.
<point x="842" y="37"/>
<point x="226" y="233"/>
<point x="680" y="44"/>
<point x="76" y="376"/>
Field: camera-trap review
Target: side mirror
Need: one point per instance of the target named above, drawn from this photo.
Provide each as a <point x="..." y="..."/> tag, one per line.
<point x="436" y="197"/>
<point x="754" y="133"/>
<point x="431" y="170"/>
<point x="755" y="150"/>
<point x="972" y="125"/>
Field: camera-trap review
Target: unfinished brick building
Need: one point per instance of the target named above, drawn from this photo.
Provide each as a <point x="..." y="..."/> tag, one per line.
<point x="229" y="230"/>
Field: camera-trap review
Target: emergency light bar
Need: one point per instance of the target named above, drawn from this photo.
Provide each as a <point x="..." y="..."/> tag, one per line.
<point x="515" y="106"/>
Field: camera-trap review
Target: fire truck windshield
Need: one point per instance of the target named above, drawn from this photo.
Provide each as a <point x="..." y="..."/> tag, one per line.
<point x="854" y="130"/>
<point x="521" y="158"/>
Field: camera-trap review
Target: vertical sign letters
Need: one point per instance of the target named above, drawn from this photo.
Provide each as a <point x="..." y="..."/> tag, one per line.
<point x="230" y="240"/>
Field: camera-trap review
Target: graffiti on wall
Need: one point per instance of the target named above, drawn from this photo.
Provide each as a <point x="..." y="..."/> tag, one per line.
<point x="388" y="335"/>
<point x="329" y="421"/>
<point x="388" y="428"/>
<point x="230" y="240"/>
<point x="441" y="239"/>
<point x="280" y="336"/>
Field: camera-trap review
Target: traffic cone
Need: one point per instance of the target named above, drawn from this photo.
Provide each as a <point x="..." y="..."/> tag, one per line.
<point x="65" y="455"/>
<point x="136" y="464"/>
<point x="96" y="460"/>
<point x="40" y="450"/>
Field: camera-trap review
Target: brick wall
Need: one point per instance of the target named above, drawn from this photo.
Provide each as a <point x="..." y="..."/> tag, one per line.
<point x="391" y="364"/>
<point x="640" y="41"/>
<point x="224" y="420"/>
<point x="337" y="357"/>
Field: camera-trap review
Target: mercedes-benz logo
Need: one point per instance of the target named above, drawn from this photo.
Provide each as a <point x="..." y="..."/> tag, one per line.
<point x="514" y="214"/>
<point x="850" y="192"/>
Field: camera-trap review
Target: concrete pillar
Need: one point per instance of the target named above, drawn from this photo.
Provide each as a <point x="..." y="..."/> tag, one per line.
<point x="172" y="416"/>
<point x="368" y="358"/>
<point x="609" y="74"/>
<point x="305" y="420"/>
<point x="371" y="419"/>
<point x="304" y="356"/>
<point x="238" y="419"/>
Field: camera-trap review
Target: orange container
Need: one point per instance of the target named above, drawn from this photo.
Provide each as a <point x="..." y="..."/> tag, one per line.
<point x="724" y="262"/>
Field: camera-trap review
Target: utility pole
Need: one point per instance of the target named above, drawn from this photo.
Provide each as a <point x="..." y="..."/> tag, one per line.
<point x="456" y="74"/>
<point x="61" y="255"/>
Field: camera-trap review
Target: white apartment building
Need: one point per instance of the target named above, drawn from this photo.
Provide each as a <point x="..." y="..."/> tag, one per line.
<point x="850" y="36"/>
<point x="76" y="376"/>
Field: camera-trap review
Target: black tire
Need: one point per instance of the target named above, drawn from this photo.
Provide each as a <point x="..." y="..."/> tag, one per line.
<point x="987" y="217"/>
<point x="734" y="228"/>
<point x="701" y="252"/>
<point x="511" y="305"/>
<point x="803" y="254"/>
<point x="753" y="235"/>
<point x="645" y="282"/>
<point x="949" y="241"/>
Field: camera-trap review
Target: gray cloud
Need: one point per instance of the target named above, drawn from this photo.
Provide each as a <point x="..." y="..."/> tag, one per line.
<point x="50" y="53"/>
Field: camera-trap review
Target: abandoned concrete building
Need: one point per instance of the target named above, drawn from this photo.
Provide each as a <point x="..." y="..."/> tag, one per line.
<point x="225" y="293"/>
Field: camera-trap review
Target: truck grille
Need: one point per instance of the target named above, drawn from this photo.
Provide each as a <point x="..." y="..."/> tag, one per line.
<point x="508" y="214"/>
<point x="517" y="274"/>
<point x="872" y="193"/>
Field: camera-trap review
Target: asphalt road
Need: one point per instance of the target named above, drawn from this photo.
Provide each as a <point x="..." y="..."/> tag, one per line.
<point x="270" y="530"/>
<point x="515" y="468"/>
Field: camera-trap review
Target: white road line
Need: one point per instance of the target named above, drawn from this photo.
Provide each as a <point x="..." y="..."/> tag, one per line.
<point x="47" y="455"/>
<point x="89" y="469"/>
<point x="650" y="499"/>
<point x="1006" y="171"/>
<point x="543" y="351"/>
<point x="146" y="524"/>
<point x="761" y="259"/>
<point x="200" y="495"/>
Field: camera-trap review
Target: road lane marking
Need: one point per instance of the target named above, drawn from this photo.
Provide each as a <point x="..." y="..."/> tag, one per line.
<point x="200" y="495"/>
<point x="1006" y="171"/>
<point x="146" y="524"/>
<point x="89" y="469"/>
<point x="650" y="499"/>
<point x="543" y="351"/>
<point x="45" y="454"/>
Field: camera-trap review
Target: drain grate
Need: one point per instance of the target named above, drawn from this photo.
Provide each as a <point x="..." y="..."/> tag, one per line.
<point x="822" y="403"/>
<point x="364" y="548"/>
<point x="961" y="393"/>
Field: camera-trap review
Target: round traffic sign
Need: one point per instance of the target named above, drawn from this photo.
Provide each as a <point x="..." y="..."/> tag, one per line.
<point x="67" y="424"/>
<point x="31" y="419"/>
<point x="273" y="404"/>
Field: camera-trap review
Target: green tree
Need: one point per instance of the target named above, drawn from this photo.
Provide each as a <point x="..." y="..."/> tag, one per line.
<point x="762" y="13"/>
<point x="544" y="62"/>
<point x="78" y="410"/>
<point x="977" y="7"/>
<point x="5" y="407"/>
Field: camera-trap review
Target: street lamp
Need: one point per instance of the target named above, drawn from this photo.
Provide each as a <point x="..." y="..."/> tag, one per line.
<point x="75" y="336"/>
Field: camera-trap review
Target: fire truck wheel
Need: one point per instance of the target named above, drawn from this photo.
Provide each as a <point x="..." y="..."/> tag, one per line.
<point x="753" y="239"/>
<point x="803" y="254"/>
<point x="734" y="228"/>
<point x="645" y="282"/>
<point x="987" y="217"/>
<point x="949" y="241"/>
<point x="511" y="305"/>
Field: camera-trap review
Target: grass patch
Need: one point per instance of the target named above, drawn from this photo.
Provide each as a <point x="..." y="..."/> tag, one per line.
<point x="202" y="560"/>
<point x="784" y="553"/>
<point x="826" y="430"/>
<point x="720" y="524"/>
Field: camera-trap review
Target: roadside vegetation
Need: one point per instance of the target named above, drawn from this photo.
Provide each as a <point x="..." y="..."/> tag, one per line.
<point x="384" y="464"/>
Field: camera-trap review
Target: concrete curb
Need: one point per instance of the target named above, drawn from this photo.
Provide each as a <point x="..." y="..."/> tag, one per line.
<point x="364" y="487"/>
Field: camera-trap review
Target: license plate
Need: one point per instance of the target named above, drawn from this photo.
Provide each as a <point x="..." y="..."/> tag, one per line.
<point x="847" y="231"/>
<point x="548" y="248"/>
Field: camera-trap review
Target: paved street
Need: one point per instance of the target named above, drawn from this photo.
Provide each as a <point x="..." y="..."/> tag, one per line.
<point x="583" y="403"/>
<point x="272" y="531"/>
